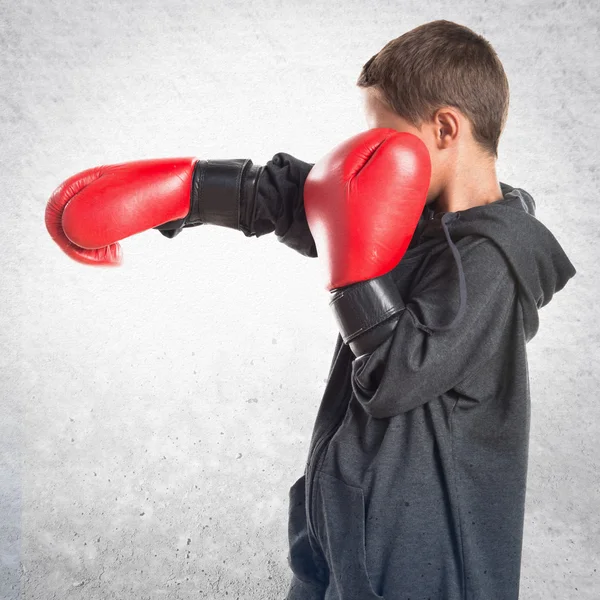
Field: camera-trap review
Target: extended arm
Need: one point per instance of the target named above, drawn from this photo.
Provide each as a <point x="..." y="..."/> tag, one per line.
<point x="90" y="212"/>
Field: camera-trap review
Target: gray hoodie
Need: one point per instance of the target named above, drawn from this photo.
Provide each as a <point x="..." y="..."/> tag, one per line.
<point x="415" y="482"/>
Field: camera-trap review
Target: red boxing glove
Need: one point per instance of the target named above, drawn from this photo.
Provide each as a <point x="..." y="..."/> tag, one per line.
<point x="90" y="211"/>
<point x="363" y="201"/>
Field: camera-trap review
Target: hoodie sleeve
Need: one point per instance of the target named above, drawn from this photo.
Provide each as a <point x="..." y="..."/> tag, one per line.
<point x="416" y="363"/>
<point x="269" y="198"/>
<point x="279" y="204"/>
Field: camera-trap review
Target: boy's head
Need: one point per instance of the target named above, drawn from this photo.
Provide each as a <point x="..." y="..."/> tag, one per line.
<point x="444" y="83"/>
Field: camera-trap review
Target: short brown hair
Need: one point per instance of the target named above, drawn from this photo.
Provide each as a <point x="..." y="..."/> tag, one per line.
<point x="440" y="64"/>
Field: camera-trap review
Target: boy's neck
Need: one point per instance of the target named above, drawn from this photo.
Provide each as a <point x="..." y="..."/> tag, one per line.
<point x="472" y="185"/>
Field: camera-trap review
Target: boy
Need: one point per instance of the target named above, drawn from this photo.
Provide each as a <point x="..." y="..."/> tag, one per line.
<point x="416" y="477"/>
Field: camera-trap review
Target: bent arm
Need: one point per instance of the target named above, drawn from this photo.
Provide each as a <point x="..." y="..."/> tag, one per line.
<point x="416" y="364"/>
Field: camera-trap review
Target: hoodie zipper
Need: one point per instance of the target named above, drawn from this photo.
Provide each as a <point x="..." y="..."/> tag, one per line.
<point x="317" y="454"/>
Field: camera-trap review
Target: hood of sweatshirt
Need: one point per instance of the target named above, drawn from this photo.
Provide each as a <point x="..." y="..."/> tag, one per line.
<point x="536" y="259"/>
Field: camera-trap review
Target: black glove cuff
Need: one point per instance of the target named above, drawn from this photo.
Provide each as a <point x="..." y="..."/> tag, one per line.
<point x="219" y="191"/>
<point x="215" y="196"/>
<point x="359" y="308"/>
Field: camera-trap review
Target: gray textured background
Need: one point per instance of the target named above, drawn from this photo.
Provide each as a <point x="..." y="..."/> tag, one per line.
<point x="153" y="417"/>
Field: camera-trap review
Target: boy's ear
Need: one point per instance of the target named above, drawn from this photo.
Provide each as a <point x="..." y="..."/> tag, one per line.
<point x="447" y="125"/>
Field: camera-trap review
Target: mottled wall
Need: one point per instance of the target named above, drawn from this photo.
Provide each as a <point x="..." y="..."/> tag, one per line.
<point x="155" y="416"/>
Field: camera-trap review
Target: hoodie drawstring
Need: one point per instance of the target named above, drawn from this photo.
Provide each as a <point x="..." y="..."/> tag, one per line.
<point x="462" y="285"/>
